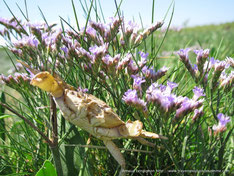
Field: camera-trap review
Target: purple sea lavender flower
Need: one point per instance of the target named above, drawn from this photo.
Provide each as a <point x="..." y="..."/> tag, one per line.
<point x="21" y="77"/>
<point x="202" y="53"/>
<point x="13" y="24"/>
<point x="223" y="120"/>
<point x="171" y="86"/>
<point x="33" y="42"/>
<point x="3" y="20"/>
<point x="132" y="66"/>
<point x="209" y="64"/>
<point x="151" y="74"/>
<point x="137" y="82"/>
<point x="151" y="88"/>
<point x="230" y="61"/>
<point x="143" y="55"/>
<point x="3" y="79"/>
<point x="227" y="80"/>
<point x="219" y="66"/>
<point x="48" y="39"/>
<point x="10" y="80"/>
<point x="148" y="72"/>
<point x="143" y="60"/>
<point x="183" y="53"/>
<point x="130" y="97"/>
<point x="99" y="51"/>
<point x="159" y="95"/>
<point x="163" y="89"/>
<point x="124" y="62"/>
<point x="195" y="68"/>
<point x="167" y="102"/>
<point x="179" y="100"/>
<point x="109" y="61"/>
<point x="198" y="92"/>
<point x="19" y="66"/>
<point x="131" y="27"/>
<point x="199" y="53"/>
<point x="154" y="94"/>
<point x="197" y="113"/>
<point x="201" y="58"/>
<point x="90" y="31"/>
<point x="65" y="50"/>
<point x="160" y="73"/>
<point x="29" y="41"/>
<point x="184" y="108"/>
<point x="83" y="53"/>
<point x="100" y="27"/>
<point x="212" y="61"/>
<point x="147" y="32"/>
<point x="115" y="23"/>
<point x="187" y="106"/>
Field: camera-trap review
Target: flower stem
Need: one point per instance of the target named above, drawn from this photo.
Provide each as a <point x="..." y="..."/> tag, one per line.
<point x="55" y="147"/>
<point x="57" y="159"/>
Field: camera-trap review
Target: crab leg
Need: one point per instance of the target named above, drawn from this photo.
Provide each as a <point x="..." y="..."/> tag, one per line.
<point x="115" y="152"/>
<point x="145" y="142"/>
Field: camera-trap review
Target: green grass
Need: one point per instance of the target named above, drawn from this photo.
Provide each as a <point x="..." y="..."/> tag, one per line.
<point x="209" y="36"/>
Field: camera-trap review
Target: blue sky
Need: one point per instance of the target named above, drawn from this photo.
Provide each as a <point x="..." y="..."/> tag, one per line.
<point x="194" y="12"/>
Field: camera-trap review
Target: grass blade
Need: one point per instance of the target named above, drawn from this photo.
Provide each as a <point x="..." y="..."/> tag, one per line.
<point x="74" y="11"/>
<point x="160" y="45"/>
<point x="43" y="16"/>
<point x="152" y="36"/>
<point x="22" y="12"/>
<point x="15" y="17"/>
<point x="101" y="11"/>
<point x="26" y="8"/>
<point x="86" y="23"/>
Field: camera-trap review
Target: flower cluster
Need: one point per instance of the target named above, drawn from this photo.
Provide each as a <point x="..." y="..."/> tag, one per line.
<point x="150" y="73"/>
<point x="131" y="98"/>
<point x="130" y="36"/>
<point x="18" y="79"/>
<point x="12" y="24"/>
<point x="205" y="65"/>
<point x="226" y="80"/>
<point x="91" y="46"/>
<point x="223" y="120"/>
<point x="140" y="74"/>
<point x="167" y="101"/>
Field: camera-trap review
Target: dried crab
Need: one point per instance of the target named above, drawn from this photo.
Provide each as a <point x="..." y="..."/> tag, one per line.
<point x="93" y="115"/>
